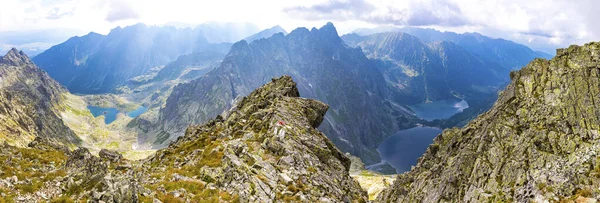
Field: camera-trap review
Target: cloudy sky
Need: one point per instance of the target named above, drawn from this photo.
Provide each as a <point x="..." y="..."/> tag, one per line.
<point x="540" y="24"/>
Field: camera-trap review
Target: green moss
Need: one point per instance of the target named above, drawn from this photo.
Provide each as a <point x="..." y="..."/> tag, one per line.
<point x="30" y="188"/>
<point x="113" y="145"/>
<point x="211" y="157"/>
<point x="189" y="186"/>
<point x="168" y="198"/>
<point x="62" y="199"/>
<point x="145" y="199"/>
<point x="86" y="185"/>
<point x="585" y="192"/>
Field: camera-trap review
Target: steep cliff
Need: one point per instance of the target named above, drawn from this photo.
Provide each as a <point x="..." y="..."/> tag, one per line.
<point x="539" y="142"/>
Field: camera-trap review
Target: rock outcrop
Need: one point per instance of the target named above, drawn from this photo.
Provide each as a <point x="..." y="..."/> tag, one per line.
<point x="265" y="149"/>
<point x="539" y="142"/>
<point x="30" y="103"/>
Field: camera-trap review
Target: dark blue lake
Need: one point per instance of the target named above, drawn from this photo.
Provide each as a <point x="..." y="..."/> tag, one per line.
<point x="110" y="114"/>
<point x="402" y="149"/>
<point x="439" y="109"/>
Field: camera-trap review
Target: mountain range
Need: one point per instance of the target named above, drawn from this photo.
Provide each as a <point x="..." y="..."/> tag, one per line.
<point x="183" y="78"/>
<point x="507" y="53"/>
<point x="430" y="71"/>
<point x="392" y="70"/>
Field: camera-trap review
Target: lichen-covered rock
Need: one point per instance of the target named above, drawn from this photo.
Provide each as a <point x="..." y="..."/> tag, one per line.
<point x="539" y="142"/>
<point x="266" y="149"/>
<point x="112" y="156"/>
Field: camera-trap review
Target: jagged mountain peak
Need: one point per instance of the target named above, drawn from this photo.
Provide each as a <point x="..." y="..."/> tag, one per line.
<point x="326" y="32"/>
<point x="15" y="57"/>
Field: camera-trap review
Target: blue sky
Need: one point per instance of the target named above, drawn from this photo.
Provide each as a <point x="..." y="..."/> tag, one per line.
<point x="540" y="24"/>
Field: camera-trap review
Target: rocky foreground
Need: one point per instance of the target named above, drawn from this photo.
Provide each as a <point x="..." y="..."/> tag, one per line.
<point x="265" y="149"/>
<point x="539" y="143"/>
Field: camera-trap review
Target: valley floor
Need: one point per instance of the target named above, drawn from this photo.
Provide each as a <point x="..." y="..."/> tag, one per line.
<point x="97" y="135"/>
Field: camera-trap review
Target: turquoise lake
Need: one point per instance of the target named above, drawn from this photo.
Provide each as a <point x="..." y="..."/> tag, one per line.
<point x="402" y="149"/>
<point x="110" y="114"/>
<point x="439" y="109"/>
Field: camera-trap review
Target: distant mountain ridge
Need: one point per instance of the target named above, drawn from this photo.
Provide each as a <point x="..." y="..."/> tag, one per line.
<point x="434" y="71"/>
<point x="509" y="54"/>
<point x="97" y="63"/>
<point x="266" y="33"/>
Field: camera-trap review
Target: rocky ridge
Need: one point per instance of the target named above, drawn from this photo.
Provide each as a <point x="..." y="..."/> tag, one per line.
<point x="266" y="149"/>
<point x="539" y="142"/>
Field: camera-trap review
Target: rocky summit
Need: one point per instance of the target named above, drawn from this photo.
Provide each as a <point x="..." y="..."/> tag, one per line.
<point x="265" y="149"/>
<point x="538" y="143"/>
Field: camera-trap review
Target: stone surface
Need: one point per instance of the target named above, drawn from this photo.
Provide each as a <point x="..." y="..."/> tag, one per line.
<point x="110" y="155"/>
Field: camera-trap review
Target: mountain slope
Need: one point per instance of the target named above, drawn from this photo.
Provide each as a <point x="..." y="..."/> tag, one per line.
<point x="96" y="63"/>
<point x="361" y="113"/>
<point x="152" y="88"/>
<point x="30" y="103"/>
<point x="539" y="142"/>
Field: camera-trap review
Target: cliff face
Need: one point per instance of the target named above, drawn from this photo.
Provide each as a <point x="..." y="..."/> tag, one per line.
<point x="266" y="149"/>
<point x="30" y="102"/>
<point x="539" y="142"/>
